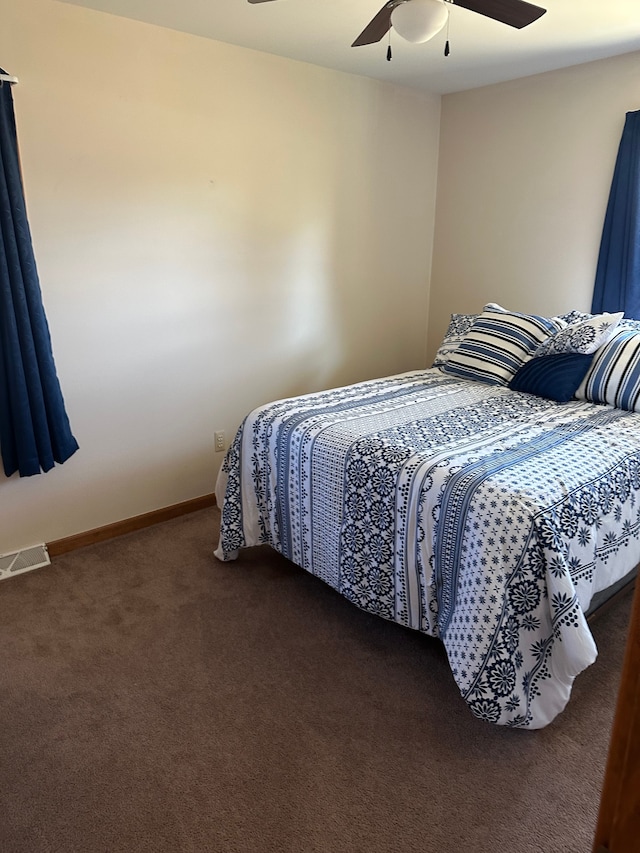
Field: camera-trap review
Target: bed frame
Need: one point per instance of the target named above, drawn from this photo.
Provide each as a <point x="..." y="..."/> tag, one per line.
<point x="605" y="599"/>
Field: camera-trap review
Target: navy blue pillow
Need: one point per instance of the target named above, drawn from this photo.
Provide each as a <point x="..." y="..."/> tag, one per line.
<point x="556" y="377"/>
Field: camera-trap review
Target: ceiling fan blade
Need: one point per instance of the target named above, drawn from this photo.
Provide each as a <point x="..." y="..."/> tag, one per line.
<point x="377" y="27"/>
<point x="515" y="13"/>
<point x="259" y="1"/>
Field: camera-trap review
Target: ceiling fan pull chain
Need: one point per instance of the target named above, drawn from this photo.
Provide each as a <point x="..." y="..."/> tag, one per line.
<point x="389" y="54"/>
<point x="447" y="49"/>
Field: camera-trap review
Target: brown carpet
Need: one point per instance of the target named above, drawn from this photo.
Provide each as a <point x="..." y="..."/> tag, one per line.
<point x="154" y="699"/>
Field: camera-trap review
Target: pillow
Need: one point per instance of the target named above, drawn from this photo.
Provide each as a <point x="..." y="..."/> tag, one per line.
<point x="561" y="320"/>
<point x="628" y="323"/>
<point x="556" y="377"/>
<point x="574" y="316"/>
<point x="459" y="325"/>
<point x="497" y="345"/>
<point x="614" y="375"/>
<point x="585" y="336"/>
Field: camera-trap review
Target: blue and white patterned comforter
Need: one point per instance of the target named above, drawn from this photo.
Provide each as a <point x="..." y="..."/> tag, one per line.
<point x="476" y="514"/>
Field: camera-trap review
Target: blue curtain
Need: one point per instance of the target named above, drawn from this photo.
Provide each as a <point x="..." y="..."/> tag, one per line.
<point x="34" y="428"/>
<point x="617" y="286"/>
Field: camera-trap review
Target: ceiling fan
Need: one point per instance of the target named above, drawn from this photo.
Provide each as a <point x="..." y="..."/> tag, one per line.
<point x="420" y="20"/>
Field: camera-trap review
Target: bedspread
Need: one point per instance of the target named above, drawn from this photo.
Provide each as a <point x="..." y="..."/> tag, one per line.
<point x="476" y="514"/>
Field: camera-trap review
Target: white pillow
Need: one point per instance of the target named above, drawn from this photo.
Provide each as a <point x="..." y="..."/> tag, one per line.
<point x="585" y="336"/>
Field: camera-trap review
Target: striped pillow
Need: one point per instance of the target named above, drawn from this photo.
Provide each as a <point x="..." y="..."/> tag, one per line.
<point x="497" y="345"/>
<point x="555" y="377"/>
<point x="614" y="376"/>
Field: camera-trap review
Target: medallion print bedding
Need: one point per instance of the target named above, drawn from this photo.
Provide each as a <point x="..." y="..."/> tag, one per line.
<point x="477" y="514"/>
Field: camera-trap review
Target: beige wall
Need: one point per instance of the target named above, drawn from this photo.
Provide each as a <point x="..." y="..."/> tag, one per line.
<point x="524" y="177"/>
<point x="214" y="228"/>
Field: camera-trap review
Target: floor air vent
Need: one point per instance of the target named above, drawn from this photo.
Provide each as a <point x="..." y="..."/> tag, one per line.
<point x="23" y="561"/>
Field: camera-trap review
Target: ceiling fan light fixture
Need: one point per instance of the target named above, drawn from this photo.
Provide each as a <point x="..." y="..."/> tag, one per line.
<point x="418" y="21"/>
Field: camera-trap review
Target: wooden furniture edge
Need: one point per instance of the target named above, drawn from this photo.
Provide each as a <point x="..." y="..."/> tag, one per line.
<point x="617" y="823"/>
<point x="128" y="525"/>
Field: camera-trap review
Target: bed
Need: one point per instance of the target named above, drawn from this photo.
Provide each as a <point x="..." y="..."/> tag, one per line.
<point x="482" y="515"/>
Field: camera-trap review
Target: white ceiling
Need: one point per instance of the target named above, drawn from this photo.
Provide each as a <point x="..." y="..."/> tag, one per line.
<point x="483" y="51"/>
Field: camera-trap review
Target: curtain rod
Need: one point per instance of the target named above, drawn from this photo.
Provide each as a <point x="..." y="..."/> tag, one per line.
<point x="7" y="78"/>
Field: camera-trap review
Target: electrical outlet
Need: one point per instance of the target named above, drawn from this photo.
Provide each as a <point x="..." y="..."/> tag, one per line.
<point x="219" y="440"/>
